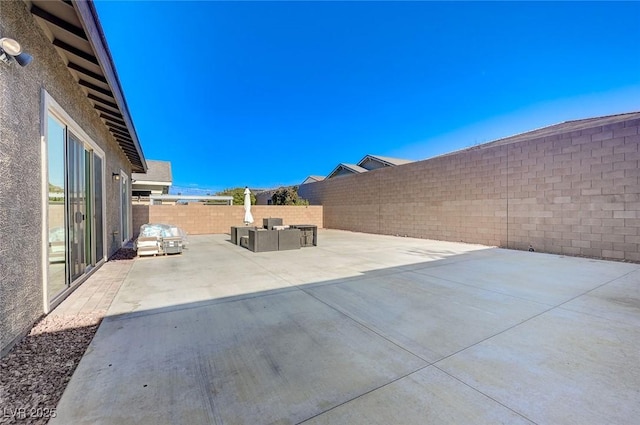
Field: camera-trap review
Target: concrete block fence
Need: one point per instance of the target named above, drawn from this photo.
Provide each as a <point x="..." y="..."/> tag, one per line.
<point x="574" y="192"/>
<point x="197" y="219"/>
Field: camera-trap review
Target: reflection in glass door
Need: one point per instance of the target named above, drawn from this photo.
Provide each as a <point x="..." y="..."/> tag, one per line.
<point x="57" y="243"/>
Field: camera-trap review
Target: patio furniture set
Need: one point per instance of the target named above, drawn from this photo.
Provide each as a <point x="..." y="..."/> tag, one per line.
<point x="274" y="236"/>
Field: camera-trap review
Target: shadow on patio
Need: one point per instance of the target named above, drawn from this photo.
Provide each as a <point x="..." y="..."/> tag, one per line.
<point x="339" y="334"/>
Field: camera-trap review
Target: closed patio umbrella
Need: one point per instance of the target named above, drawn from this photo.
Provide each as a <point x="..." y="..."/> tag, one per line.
<point x="248" y="218"/>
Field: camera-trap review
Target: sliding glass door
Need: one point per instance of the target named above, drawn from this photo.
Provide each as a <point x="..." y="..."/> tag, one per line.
<point x="75" y="210"/>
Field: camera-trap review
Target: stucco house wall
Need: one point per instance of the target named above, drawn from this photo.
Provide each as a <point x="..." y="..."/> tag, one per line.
<point x="561" y="190"/>
<point x="21" y="164"/>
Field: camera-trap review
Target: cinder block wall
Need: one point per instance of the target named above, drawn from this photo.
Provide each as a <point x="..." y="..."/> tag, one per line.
<point x="196" y="219"/>
<point x="574" y="193"/>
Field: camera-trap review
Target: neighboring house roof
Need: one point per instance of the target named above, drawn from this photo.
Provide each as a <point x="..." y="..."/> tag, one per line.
<point x="157" y="171"/>
<point x="373" y="162"/>
<point x="363" y="166"/>
<point x="74" y="29"/>
<point x="563" y="127"/>
<point x="552" y="130"/>
<point x="350" y="168"/>
<point x="384" y="160"/>
<point x="312" y="179"/>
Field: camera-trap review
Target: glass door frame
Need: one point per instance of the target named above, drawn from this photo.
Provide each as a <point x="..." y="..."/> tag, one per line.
<point x="124" y="193"/>
<point x="76" y="196"/>
<point x="52" y="108"/>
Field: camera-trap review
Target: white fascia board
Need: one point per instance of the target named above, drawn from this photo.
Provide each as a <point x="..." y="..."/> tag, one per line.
<point x="151" y="183"/>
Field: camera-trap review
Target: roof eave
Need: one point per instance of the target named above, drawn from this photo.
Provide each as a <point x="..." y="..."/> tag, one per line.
<point x="91" y="23"/>
<point x="347" y="167"/>
<point x="335" y="170"/>
<point x="374" y="158"/>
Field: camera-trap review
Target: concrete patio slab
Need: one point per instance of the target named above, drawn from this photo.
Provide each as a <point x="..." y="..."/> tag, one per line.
<point x="546" y="278"/>
<point x="427" y="315"/>
<point x="618" y="300"/>
<point x="210" y="269"/>
<point x="271" y="359"/>
<point x="362" y="255"/>
<point x="559" y="368"/>
<point x="428" y="396"/>
<point x="364" y="329"/>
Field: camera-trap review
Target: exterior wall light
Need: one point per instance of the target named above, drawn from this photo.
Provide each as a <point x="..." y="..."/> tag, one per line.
<point x="115" y="176"/>
<point x="11" y="50"/>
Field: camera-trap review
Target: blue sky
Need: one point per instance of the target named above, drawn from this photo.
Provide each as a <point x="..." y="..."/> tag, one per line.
<point x="263" y="94"/>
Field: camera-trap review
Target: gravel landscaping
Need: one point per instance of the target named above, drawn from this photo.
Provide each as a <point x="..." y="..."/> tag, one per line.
<point x="35" y="373"/>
